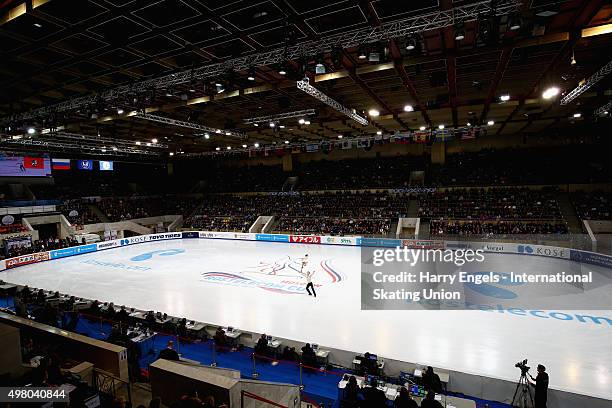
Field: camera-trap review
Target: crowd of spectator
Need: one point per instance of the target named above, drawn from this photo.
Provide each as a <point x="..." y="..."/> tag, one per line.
<point x="593" y="206"/>
<point x="127" y="208"/>
<point x="490" y="204"/>
<point x="468" y="227"/>
<point x="334" y="226"/>
<point x="41" y="245"/>
<point x="234" y="223"/>
<point x="78" y="212"/>
<point x="14" y="228"/>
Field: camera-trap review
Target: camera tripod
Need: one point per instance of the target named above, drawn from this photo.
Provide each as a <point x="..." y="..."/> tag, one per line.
<point x="522" y="396"/>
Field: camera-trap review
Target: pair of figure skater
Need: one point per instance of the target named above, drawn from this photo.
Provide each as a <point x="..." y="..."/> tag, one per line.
<point x="308" y="275"/>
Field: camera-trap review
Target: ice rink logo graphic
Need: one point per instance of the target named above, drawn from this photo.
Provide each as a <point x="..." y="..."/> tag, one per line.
<point x="525" y="249"/>
<point x="283" y="275"/>
<point x="162" y="252"/>
<point x="494" y="291"/>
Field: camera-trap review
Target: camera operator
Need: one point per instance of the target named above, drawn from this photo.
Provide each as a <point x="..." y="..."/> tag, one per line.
<point x="540" y="383"/>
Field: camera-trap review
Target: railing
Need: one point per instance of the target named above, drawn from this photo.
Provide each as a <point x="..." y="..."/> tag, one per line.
<point x="107" y="383"/>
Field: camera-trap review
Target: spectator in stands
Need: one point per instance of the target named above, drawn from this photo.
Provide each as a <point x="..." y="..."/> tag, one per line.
<point x="431" y="380"/>
<point x="94" y="308"/>
<point x="110" y="311"/>
<point x="122" y="315"/>
<point x="372" y="396"/>
<point x="169" y="353"/>
<point x="430" y="401"/>
<point x="404" y="400"/>
<point x="150" y="319"/>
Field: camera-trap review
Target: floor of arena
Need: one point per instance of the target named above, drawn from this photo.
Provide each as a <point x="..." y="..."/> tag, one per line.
<point x="256" y="286"/>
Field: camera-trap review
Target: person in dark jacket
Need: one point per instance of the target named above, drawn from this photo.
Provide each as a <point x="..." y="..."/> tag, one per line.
<point x="540" y="383"/>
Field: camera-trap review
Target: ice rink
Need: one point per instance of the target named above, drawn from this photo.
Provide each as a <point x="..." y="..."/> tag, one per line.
<point x="256" y="286"/>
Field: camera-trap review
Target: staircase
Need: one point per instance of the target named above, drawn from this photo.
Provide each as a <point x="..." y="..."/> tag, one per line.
<point x="413" y="209"/>
<point x="290" y="183"/>
<point x="393" y="228"/>
<point x="101" y="216"/>
<point x="569" y="213"/>
<point x="424" y="231"/>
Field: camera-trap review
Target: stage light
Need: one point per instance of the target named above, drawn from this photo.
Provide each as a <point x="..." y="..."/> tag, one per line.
<point x="256" y="124"/>
<point x="256" y="145"/>
<point x="229" y="147"/>
<point x="148" y="144"/>
<point x="577" y="115"/>
<point x="422" y="128"/>
<point x="138" y="143"/>
<point x="218" y="131"/>
<point x="114" y="149"/>
<point x="153" y="140"/>
<point x="459" y="33"/>
<point x="491" y="123"/>
<point x="504" y="98"/>
<point x="411" y="43"/>
<point x="272" y="124"/>
<point x="379" y="132"/>
<point x="286" y="142"/>
<point x="31" y="131"/>
<point x="307" y="122"/>
<point x="408" y="108"/>
<point x="468" y="124"/>
<point x="373" y="112"/>
<point x="550" y="93"/>
<point x="573" y="61"/>
<point x="119" y="111"/>
<point x="244" y="146"/>
<point x="37" y="25"/>
<point x="362" y="54"/>
<point x="515" y="23"/>
<point x="282" y="71"/>
<point x="301" y="121"/>
<point x="281" y="126"/>
<point x="103" y="150"/>
<point x="228" y="133"/>
<point x="206" y="136"/>
<point x="171" y="154"/>
<point x="440" y="126"/>
<point x="339" y="136"/>
<point x="251" y="76"/>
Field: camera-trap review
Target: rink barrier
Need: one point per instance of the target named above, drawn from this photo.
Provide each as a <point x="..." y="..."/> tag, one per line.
<point x="490" y="247"/>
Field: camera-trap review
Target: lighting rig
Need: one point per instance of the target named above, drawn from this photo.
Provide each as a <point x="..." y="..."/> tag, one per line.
<point x="189" y="125"/>
<point x="280" y="116"/>
<point x="583" y="87"/>
<point x="395" y="29"/>
<point x="305" y="86"/>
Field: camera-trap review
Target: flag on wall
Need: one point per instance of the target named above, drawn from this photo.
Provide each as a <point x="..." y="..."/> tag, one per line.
<point x="60" y="164"/>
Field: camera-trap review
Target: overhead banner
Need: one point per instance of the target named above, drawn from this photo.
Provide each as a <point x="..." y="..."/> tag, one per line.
<point x="85" y="165"/>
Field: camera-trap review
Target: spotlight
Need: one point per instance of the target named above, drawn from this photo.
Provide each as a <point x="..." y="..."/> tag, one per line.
<point x="206" y="136"/>
<point x="468" y="124"/>
<point x="550" y="92"/>
<point x="282" y="71"/>
<point x="220" y="87"/>
<point x="491" y="123"/>
<point x="286" y="142"/>
<point x="31" y="131"/>
<point x="228" y="133"/>
<point x="114" y="149"/>
<point x="440" y="126"/>
<point x="229" y="147"/>
<point x="362" y="54"/>
<point x="577" y="115"/>
<point x="119" y="111"/>
<point x="504" y="98"/>
<point x="138" y="143"/>
<point x="301" y="121"/>
<point x="515" y="23"/>
<point x="573" y="61"/>
<point x="408" y="108"/>
<point x="256" y="145"/>
<point x="256" y="124"/>
<point x="148" y="144"/>
<point x="153" y="140"/>
<point x="251" y="76"/>
<point x="244" y="146"/>
<point x="379" y="132"/>
<point x="459" y="32"/>
<point x="422" y="128"/>
<point x="373" y="112"/>
<point x="281" y="126"/>
<point x="307" y="122"/>
<point x="339" y="136"/>
<point x="411" y="43"/>
<point x="217" y="148"/>
<point x="272" y="124"/>
<point x="171" y="154"/>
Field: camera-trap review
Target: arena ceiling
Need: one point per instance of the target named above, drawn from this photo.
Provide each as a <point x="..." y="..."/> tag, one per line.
<point x="54" y="50"/>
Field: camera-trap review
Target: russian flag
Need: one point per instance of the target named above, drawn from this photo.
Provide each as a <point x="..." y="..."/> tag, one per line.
<point x="60" y="164"/>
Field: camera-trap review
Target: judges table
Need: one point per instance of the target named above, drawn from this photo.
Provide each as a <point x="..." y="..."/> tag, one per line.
<point x="391" y="392"/>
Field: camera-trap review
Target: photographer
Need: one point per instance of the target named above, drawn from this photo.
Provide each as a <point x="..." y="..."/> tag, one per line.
<point x="540" y="383"/>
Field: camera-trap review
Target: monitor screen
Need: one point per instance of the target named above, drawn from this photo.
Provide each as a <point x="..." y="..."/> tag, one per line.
<point x="106" y="165"/>
<point x="28" y="166"/>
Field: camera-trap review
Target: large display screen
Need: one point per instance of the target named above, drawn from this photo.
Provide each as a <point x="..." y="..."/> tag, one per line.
<point x="28" y="166"/>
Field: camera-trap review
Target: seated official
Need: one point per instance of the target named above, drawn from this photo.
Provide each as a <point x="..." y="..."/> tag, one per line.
<point x="169" y="353"/>
<point x="261" y="348"/>
<point x="431" y="380"/>
<point x="94" y="308"/>
<point x="369" y="365"/>
<point x="289" y="354"/>
<point x="404" y="400"/>
<point x="430" y="401"/>
<point x="309" y="357"/>
<point x="221" y="340"/>
<point x="372" y="396"/>
<point x="350" y="396"/>
<point x="110" y="311"/>
<point x="181" y="328"/>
